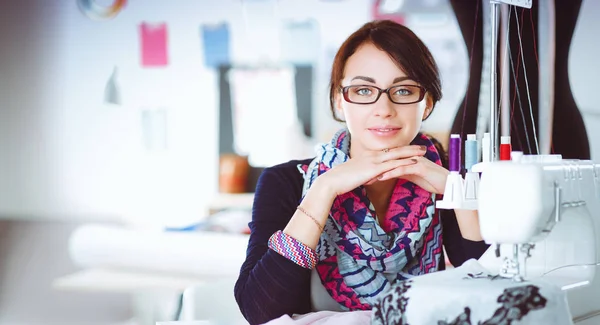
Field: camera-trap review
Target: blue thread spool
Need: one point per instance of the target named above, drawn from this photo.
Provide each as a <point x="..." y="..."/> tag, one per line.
<point x="471" y="156"/>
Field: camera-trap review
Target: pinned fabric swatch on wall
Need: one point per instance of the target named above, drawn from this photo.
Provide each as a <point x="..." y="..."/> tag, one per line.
<point x="388" y="10"/>
<point x="300" y="42"/>
<point x="153" y="39"/>
<point x="215" y="41"/>
<point x="154" y="129"/>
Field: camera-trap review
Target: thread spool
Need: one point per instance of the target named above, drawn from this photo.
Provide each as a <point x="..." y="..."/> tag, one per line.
<point x="454" y="153"/>
<point x="505" y="148"/>
<point x="485" y="147"/>
<point x="516" y="156"/>
<point x="470" y="151"/>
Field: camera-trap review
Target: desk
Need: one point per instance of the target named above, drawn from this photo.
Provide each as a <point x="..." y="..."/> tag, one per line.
<point x="124" y="281"/>
<point x="154" y="295"/>
<point x="153" y="267"/>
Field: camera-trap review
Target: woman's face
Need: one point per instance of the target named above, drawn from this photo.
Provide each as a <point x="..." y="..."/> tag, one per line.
<point x="383" y="124"/>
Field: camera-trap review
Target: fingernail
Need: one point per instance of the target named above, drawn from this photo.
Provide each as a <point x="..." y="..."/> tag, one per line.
<point x="423" y="148"/>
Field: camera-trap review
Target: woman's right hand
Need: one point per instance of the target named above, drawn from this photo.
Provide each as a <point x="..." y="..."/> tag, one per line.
<point x="343" y="178"/>
<point x="365" y="170"/>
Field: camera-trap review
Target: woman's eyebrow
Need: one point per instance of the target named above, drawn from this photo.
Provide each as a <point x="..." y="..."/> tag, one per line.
<point x="401" y="79"/>
<point x="371" y="80"/>
<point x="368" y="79"/>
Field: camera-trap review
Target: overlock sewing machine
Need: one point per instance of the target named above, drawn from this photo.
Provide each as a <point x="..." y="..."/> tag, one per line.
<point x="540" y="213"/>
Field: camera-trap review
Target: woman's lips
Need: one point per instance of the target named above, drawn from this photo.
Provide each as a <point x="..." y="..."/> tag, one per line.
<point x="387" y="131"/>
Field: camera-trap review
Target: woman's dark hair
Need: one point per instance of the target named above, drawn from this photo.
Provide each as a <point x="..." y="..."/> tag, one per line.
<point x="403" y="47"/>
<point x="440" y="149"/>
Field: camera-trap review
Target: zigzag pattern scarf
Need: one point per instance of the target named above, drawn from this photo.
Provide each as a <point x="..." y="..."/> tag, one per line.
<point x="358" y="258"/>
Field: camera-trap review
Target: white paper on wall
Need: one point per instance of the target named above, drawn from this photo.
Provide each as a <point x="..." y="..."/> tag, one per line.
<point x="264" y="112"/>
<point x="300" y="42"/>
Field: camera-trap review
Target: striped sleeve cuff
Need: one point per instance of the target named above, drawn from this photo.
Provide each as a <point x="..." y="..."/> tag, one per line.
<point x="293" y="250"/>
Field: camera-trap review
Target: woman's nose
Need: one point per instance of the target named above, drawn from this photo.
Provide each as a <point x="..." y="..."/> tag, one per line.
<point x="383" y="106"/>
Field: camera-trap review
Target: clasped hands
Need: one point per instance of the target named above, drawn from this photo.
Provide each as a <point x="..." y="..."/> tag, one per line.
<point x="406" y="162"/>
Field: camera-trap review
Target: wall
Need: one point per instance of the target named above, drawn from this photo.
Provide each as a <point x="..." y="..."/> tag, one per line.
<point x="29" y="163"/>
<point x="32" y="255"/>
<point x="66" y="154"/>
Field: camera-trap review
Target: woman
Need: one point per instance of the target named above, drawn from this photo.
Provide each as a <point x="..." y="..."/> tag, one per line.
<point x="334" y="232"/>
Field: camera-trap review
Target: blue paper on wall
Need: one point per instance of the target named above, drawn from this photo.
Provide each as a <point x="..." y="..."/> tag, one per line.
<point x="215" y="40"/>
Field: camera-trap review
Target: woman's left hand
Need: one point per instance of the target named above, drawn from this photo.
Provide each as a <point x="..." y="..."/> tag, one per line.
<point x="425" y="173"/>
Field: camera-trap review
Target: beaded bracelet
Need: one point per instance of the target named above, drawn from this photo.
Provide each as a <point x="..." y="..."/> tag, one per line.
<point x="292" y="249"/>
<point x="301" y="209"/>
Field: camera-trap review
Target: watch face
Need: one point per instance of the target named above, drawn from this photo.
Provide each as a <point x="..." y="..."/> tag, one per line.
<point x="98" y="12"/>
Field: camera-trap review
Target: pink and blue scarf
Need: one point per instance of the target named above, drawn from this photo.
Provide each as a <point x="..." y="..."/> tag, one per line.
<point x="359" y="259"/>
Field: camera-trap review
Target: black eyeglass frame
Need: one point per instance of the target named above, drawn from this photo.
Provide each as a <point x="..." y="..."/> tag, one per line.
<point x="422" y="92"/>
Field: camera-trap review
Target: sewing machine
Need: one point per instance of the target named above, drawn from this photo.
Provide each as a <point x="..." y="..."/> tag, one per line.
<point x="543" y="221"/>
<point x="540" y="213"/>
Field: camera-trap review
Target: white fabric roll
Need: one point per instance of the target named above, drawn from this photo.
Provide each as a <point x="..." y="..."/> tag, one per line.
<point x="185" y="253"/>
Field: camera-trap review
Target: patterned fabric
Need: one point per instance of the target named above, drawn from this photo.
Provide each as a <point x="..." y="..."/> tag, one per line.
<point x="470" y="295"/>
<point x="360" y="259"/>
<point x="293" y="250"/>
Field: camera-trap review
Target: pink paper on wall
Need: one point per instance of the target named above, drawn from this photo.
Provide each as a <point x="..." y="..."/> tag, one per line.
<point x="378" y="15"/>
<point x="153" y="38"/>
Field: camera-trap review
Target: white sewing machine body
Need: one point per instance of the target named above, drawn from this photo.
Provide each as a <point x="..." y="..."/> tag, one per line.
<point x="517" y="210"/>
<point x="541" y="213"/>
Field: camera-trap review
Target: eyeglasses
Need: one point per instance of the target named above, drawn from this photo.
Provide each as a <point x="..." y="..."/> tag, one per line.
<point x="366" y="94"/>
